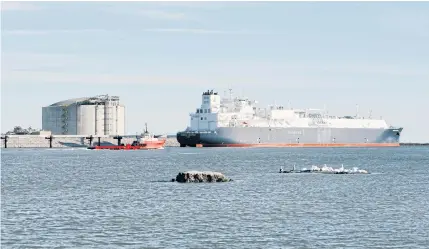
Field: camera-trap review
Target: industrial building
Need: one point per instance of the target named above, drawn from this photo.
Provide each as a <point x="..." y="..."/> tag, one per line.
<point x="99" y="115"/>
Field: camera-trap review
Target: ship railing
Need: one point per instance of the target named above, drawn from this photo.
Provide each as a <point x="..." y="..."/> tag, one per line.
<point x="199" y="132"/>
<point x="208" y="132"/>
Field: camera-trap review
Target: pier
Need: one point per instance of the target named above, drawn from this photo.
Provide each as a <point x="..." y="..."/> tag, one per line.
<point x="68" y="141"/>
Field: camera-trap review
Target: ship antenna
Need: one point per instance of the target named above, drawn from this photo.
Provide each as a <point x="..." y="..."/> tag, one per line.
<point x="145" y="124"/>
<point x="370" y="114"/>
<point x="230" y="94"/>
<point x="357" y="110"/>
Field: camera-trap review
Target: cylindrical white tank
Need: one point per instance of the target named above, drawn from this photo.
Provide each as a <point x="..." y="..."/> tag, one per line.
<point x="87" y="120"/>
<point x="120" y="120"/>
<point x="78" y="120"/>
<point x="100" y="115"/>
<point x="51" y="119"/>
<point x="112" y="120"/>
<point x="107" y="117"/>
<point x="99" y="120"/>
<point x="71" y="119"/>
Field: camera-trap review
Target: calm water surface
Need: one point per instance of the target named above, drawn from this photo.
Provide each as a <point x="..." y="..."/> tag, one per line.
<point x="78" y="198"/>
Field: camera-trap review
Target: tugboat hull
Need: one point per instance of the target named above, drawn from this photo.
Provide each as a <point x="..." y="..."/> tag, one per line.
<point x="147" y="146"/>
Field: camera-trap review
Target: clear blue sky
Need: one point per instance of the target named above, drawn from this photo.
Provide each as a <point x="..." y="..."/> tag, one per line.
<point x="160" y="57"/>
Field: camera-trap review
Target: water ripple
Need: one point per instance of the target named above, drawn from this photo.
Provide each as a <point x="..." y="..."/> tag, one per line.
<point x="81" y="199"/>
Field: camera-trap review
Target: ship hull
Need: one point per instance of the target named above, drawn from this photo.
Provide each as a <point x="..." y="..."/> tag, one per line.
<point x="291" y="137"/>
<point x="149" y="145"/>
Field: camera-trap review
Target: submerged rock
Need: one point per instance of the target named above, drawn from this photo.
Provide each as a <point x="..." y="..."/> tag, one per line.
<point x="201" y="176"/>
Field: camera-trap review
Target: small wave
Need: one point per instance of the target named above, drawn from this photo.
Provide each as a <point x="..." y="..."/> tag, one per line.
<point x="66" y="149"/>
<point x="162" y="180"/>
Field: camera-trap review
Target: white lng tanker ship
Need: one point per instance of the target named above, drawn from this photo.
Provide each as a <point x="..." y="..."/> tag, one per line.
<point x="237" y="122"/>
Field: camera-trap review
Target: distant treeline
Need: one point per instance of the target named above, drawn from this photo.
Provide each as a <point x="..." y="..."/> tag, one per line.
<point x="414" y="144"/>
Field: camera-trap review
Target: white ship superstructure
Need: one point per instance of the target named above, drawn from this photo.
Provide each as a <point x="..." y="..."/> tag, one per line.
<point x="238" y="121"/>
<point x="242" y="112"/>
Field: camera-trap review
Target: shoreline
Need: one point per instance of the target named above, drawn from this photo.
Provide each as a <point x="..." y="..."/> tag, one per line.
<point x="414" y="144"/>
<point x="78" y="141"/>
<point x="69" y="141"/>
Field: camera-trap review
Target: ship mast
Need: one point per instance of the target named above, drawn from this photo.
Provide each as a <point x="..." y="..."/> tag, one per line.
<point x="357" y="111"/>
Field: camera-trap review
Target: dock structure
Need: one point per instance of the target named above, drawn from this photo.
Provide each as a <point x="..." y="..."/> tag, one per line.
<point x="68" y="141"/>
<point x="5" y="138"/>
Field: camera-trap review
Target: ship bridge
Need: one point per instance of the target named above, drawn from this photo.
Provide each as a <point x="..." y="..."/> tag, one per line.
<point x="205" y="117"/>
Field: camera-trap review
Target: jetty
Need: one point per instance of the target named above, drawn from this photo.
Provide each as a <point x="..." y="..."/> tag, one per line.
<point x="200" y="176"/>
<point x="325" y="170"/>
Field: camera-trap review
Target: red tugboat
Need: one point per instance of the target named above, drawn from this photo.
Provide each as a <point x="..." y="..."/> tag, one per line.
<point x="146" y="141"/>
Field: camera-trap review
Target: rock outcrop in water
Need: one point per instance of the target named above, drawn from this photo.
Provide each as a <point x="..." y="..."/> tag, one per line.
<point x="201" y="176"/>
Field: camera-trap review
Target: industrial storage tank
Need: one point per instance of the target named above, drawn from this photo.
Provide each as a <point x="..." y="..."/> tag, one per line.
<point x="99" y="115"/>
<point x="86" y="120"/>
